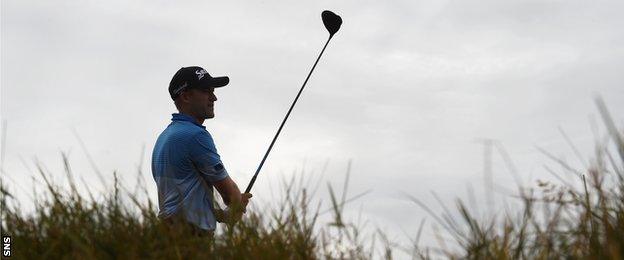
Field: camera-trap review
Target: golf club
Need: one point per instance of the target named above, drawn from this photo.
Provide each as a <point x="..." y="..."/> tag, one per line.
<point x="332" y="23"/>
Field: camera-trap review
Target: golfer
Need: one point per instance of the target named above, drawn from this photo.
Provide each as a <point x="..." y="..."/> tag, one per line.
<point x="185" y="163"/>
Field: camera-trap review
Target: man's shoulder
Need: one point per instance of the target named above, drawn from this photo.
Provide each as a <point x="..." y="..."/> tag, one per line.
<point x="179" y="133"/>
<point x="184" y="128"/>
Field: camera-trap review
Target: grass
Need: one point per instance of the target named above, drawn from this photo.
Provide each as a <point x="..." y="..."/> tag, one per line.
<point x="66" y="225"/>
<point x="572" y="220"/>
<point x="564" y="220"/>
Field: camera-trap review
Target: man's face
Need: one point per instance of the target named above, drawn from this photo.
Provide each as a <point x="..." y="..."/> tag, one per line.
<point x="202" y="102"/>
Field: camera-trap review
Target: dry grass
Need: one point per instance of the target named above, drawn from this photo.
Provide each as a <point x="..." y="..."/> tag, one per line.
<point x="583" y="220"/>
<point x="66" y="225"/>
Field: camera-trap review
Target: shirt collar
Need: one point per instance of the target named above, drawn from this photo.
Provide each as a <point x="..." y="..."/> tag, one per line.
<point x="185" y="117"/>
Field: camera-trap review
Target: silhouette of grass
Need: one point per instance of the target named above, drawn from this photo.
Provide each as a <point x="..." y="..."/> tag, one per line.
<point x="555" y="221"/>
<point x="582" y="220"/>
<point x="66" y="225"/>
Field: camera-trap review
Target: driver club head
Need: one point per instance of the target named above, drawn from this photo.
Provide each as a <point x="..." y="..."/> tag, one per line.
<point x="331" y="21"/>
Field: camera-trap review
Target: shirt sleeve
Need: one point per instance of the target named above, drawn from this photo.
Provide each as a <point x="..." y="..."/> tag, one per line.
<point x="205" y="158"/>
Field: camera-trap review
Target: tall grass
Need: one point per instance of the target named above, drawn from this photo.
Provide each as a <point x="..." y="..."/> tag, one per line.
<point x="562" y="220"/>
<point x="65" y="224"/>
<point x="571" y="220"/>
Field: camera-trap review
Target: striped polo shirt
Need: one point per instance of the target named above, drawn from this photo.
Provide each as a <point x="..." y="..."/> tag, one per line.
<point x="185" y="164"/>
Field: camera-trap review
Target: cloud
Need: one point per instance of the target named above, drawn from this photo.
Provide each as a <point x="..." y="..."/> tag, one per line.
<point x="405" y="89"/>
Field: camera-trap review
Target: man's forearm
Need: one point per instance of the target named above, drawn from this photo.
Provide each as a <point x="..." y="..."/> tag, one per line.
<point x="229" y="191"/>
<point x="235" y="201"/>
<point x="233" y="198"/>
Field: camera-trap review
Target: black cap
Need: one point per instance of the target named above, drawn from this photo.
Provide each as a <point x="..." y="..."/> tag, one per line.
<point x="194" y="77"/>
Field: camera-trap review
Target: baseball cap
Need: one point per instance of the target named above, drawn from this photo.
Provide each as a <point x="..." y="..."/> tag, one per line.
<point x="194" y="77"/>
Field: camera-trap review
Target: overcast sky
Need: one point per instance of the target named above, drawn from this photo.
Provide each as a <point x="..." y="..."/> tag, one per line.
<point x="406" y="89"/>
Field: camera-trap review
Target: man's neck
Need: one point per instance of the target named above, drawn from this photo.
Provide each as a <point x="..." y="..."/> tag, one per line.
<point x="197" y="119"/>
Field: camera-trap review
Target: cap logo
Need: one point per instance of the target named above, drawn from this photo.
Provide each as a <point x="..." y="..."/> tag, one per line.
<point x="180" y="88"/>
<point x="200" y="73"/>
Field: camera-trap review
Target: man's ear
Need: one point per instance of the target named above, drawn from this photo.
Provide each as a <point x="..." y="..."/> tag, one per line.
<point x="185" y="96"/>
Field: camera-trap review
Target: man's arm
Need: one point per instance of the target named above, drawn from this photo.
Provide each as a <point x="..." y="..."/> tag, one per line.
<point x="208" y="163"/>
<point x="229" y="191"/>
<point x="232" y="197"/>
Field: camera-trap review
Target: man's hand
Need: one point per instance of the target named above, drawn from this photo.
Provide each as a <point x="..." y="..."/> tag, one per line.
<point x="234" y="213"/>
<point x="236" y="202"/>
<point x="245" y="200"/>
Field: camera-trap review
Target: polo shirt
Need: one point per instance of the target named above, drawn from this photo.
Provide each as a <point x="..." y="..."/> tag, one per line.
<point x="185" y="164"/>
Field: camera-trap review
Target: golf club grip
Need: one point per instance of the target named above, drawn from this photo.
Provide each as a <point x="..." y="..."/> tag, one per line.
<point x="253" y="179"/>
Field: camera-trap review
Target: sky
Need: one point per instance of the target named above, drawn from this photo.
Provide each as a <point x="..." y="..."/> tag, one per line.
<point x="406" y="91"/>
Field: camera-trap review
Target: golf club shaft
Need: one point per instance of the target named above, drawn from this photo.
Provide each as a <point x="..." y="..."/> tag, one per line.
<point x="253" y="179"/>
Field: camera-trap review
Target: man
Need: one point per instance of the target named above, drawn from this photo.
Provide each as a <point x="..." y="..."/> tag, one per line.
<point x="185" y="162"/>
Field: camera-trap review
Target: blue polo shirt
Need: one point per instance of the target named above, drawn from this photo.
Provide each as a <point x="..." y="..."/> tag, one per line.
<point x="185" y="164"/>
